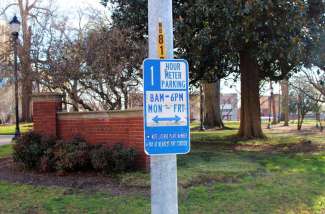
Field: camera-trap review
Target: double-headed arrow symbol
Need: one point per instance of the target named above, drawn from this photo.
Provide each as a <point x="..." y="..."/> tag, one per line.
<point x="160" y="119"/>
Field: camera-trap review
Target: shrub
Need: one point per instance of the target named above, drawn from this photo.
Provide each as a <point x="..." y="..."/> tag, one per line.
<point x="72" y="155"/>
<point x="46" y="154"/>
<point x="101" y="159"/>
<point x="30" y="148"/>
<point x="115" y="159"/>
<point x="47" y="161"/>
<point x="123" y="158"/>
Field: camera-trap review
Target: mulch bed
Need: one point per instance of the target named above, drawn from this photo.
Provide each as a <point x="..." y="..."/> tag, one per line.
<point x="85" y="181"/>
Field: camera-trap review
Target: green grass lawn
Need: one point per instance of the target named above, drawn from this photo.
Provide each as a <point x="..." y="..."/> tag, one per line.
<point x="212" y="179"/>
<point x="10" y="129"/>
<point x="5" y="151"/>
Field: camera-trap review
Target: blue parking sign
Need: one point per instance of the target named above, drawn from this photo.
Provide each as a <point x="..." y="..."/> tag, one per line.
<point x="166" y="106"/>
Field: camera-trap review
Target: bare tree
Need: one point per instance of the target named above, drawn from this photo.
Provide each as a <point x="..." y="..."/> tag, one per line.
<point x="114" y="60"/>
<point x="306" y="98"/>
<point x="316" y="78"/>
<point x="95" y="65"/>
<point x="30" y="11"/>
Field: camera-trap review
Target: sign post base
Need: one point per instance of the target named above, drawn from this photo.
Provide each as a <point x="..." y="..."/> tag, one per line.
<point x="164" y="184"/>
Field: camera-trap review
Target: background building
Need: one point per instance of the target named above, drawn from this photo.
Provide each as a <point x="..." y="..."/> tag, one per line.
<point x="229" y="106"/>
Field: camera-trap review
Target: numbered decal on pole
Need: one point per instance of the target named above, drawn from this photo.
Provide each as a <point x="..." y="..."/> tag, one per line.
<point x="161" y="42"/>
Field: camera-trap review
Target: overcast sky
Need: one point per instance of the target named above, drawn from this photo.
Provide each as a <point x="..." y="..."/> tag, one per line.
<point x="70" y="7"/>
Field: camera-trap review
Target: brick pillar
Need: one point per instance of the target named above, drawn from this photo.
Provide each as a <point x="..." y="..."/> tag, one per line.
<point x="45" y="108"/>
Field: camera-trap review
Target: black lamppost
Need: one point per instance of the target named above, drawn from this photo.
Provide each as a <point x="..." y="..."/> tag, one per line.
<point x="14" y="28"/>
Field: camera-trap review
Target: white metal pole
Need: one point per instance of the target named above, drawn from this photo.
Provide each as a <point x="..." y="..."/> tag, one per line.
<point x="163" y="167"/>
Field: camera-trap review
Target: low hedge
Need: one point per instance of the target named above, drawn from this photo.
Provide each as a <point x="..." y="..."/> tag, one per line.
<point x="44" y="154"/>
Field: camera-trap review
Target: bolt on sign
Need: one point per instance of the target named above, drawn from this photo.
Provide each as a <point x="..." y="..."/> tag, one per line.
<point x="166" y="107"/>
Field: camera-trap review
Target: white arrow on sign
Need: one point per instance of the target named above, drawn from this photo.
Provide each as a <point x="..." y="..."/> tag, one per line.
<point x="152" y="75"/>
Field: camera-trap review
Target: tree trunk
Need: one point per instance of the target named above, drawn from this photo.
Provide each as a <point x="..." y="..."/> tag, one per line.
<point x="212" y="112"/>
<point x="27" y="88"/>
<point x="317" y="116"/>
<point x="285" y="101"/>
<point x="201" y="108"/>
<point x="26" y="67"/>
<point x="250" y="120"/>
<point x="274" y="120"/>
<point x="300" y="121"/>
<point x="26" y="84"/>
<point x="300" y="112"/>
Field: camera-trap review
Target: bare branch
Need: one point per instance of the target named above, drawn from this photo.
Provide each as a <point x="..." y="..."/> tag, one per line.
<point x="32" y="5"/>
<point x="7" y="7"/>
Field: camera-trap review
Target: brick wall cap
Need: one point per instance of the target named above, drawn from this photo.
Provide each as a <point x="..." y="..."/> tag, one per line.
<point x="47" y="96"/>
<point x="100" y="114"/>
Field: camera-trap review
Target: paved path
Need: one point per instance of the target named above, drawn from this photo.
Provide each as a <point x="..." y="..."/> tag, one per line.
<point x="5" y="139"/>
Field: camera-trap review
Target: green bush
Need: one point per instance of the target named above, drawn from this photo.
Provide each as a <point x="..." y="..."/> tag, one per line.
<point x="72" y="155"/>
<point x="47" y="161"/>
<point x="113" y="160"/>
<point x="30" y="148"/>
<point x="101" y="159"/>
<point x="123" y="158"/>
<point x="45" y="154"/>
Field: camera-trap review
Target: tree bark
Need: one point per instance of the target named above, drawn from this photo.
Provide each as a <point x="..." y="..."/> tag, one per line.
<point x="26" y="79"/>
<point x="250" y="120"/>
<point x="27" y="88"/>
<point x="212" y="112"/>
<point x="26" y="67"/>
<point x="300" y="112"/>
<point x="285" y="101"/>
<point x="300" y="121"/>
<point x="317" y="115"/>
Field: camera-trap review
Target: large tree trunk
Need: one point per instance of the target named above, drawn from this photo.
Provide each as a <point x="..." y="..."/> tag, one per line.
<point x="26" y="67"/>
<point x="212" y="112"/>
<point x="250" y="121"/>
<point x="26" y="82"/>
<point x="285" y="101"/>
<point x="27" y="88"/>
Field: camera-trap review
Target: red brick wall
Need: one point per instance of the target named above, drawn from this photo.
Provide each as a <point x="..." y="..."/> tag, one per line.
<point x="127" y="131"/>
<point x="125" y="127"/>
